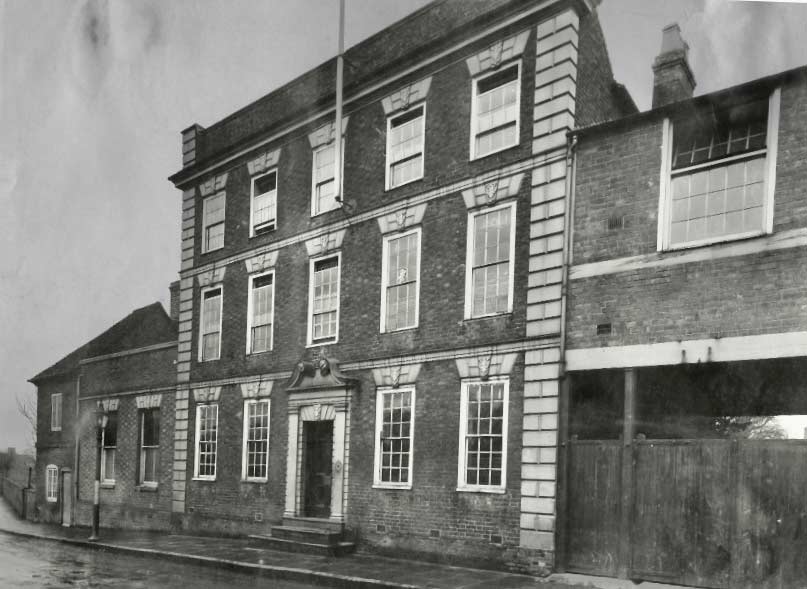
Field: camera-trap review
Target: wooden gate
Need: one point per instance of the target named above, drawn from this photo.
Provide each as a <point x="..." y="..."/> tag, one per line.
<point x="706" y="513"/>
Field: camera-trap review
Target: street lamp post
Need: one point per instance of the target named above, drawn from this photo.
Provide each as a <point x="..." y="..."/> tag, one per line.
<point x="101" y="418"/>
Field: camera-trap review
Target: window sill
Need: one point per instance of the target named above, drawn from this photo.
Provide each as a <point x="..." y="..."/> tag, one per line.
<point x="261" y="233"/>
<point x="204" y="479"/>
<point x="407" y="183"/>
<point x="322" y="343"/>
<point x="261" y="353"/>
<point x="213" y="250"/>
<point x="392" y="487"/>
<point x="489" y="490"/>
<point x="107" y="484"/>
<point x="255" y="481"/>
<point x="147" y="488"/>
<point x="49" y="500"/>
<point x="401" y="330"/>
<point x="490" y="316"/>
<point x="725" y="239"/>
<point x="200" y="361"/>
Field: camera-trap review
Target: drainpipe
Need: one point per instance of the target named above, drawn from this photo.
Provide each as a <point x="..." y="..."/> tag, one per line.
<point x="77" y="427"/>
<point x="568" y="220"/>
<point x="337" y="141"/>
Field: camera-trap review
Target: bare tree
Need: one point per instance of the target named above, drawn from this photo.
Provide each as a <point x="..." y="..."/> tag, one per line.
<point x="26" y="406"/>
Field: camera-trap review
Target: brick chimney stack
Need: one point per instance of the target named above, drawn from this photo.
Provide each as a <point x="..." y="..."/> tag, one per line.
<point x="672" y="76"/>
<point x="173" y="312"/>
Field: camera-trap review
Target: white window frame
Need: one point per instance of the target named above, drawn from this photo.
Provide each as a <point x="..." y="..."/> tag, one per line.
<point x="475" y="105"/>
<point x="311" y="264"/>
<point x="269" y="225"/>
<point x="461" y="462"/>
<point x="385" y="274"/>
<point x="379" y="416"/>
<point x="244" y="447"/>
<point x="250" y="302"/>
<point x="51" y="483"/>
<point x="205" y="226"/>
<point x="336" y="204"/>
<point x="105" y="449"/>
<point x="666" y="175"/>
<point x="197" y="445"/>
<point x="141" y="478"/>
<point x="56" y="412"/>
<point x="202" y="293"/>
<point x="388" y="168"/>
<point x="469" y="260"/>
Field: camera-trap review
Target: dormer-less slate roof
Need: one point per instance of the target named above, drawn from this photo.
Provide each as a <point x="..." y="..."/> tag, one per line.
<point x="434" y="27"/>
<point x="143" y="327"/>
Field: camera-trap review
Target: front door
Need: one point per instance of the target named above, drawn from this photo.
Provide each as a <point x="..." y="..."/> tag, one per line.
<point x="318" y="439"/>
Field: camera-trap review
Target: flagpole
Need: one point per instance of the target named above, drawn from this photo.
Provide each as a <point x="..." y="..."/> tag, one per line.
<point x="340" y="72"/>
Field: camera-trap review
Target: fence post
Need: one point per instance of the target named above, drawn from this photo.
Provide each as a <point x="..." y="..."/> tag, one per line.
<point x="626" y="508"/>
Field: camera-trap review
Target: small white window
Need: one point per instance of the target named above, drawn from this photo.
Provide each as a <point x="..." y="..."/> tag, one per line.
<point x="109" y="445"/>
<point x="400" y="281"/>
<point x="263" y="211"/>
<point x="324" y="300"/>
<point x="395" y="427"/>
<point x="323" y="196"/>
<point x="56" y="412"/>
<point x="213" y="223"/>
<point x="260" y="313"/>
<point x="255" y="466"/>
<point x="207" y="422"/>
<point x="483" y="436"/>
<point x="405" y="146"/>
<point x="495" y="109"/>
<point x="210" y="324"/>
<point x="491" y="251"/>
<point x="51" y="483"/>
<point x="149" y="446"/>
<point x="720" y="174"/>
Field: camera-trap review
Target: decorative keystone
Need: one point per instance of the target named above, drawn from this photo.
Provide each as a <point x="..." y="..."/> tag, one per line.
<point x="263" y="162"/>
<point x="491" y="190"/>
<point x="498" y="53"/>
<point x="402" y="219"/>
<point x="406" y="96"/>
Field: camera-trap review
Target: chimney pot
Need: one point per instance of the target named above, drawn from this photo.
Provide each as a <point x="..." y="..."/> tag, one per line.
<point x="672" y="77"/>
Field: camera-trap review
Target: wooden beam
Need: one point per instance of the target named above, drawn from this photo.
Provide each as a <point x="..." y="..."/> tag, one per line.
<point x="626" y="519"/>
<point x="561" y="509"/>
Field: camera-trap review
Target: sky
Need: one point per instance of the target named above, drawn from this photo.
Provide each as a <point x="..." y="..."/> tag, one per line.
<point x="94" y="94"/>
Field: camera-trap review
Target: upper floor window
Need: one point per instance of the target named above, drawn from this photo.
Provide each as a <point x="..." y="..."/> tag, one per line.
<point x="213" y="222"/>
<point x="323" y="196"/>
<point x="483" y="436"/>
<point x="255" y="464"/>
<point x="210" y="324"/>
<point x="263" y="210"/>
<point x="395" y="422"/>
<point x="149" y="446"/>
<point x="207" y="423"/>
<point x="491" y="251"/>
<point x="324" y="300"/>
<point x="56" y="412"/>
<point x="721" y="174"/>
<point x="495" y="108"/>
<point x="400" y="281"/>
<point x="260" y="313"/>
<point x="110" y="447"/>
<point x="405" y="146"/>
<point x="51" y="483"/>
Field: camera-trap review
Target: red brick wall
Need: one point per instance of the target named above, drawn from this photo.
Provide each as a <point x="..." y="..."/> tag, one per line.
<point x="129" y="373"/>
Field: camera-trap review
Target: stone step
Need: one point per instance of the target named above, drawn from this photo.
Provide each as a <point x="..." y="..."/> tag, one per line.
<point x="337" y="549"/>
<point x="308" y="535"/>
<point x="313" y="522"/>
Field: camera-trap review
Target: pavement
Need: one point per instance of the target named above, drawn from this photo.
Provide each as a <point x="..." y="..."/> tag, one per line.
<point x="246" y="555"/>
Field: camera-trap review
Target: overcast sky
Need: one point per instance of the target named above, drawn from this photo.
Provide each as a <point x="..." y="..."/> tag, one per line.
<point x="94" y="93"/>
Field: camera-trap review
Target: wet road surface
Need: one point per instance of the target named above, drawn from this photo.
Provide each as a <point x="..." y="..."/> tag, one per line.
<point x="29" y="563"/>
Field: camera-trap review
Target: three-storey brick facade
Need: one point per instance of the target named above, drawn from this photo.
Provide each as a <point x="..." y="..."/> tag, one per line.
<point x="389" y="362"/>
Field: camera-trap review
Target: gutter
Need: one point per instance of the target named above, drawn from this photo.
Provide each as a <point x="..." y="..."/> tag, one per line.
<point x="568" y="220"/>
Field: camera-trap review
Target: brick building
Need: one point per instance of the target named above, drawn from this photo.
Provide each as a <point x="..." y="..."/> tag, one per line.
<point x="127" y="369"/>
<point x="386" y="366"/>
<point x="686" y="337"/>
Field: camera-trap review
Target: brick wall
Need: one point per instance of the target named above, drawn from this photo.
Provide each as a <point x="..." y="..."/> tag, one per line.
<point x="129" y="373"/>
<point x="126" y="503"/>
<point x="618" y="177"/>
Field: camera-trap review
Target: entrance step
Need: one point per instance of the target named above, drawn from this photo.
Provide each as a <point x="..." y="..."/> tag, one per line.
<point x="308" y="536"/>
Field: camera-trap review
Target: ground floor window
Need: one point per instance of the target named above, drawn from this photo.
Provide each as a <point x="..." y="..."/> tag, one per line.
<point x="207" y="421"/>
<point x="51" y="483"/>
<point x="483" y="436"/>
<point x="149" y="446"/>
<point x="109" y="444"/>
<point x="256" y="440"/>
<point x="394" y="431"/>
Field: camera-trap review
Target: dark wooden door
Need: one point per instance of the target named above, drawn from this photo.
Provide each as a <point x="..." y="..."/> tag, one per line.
<point x="318" y="437"/>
